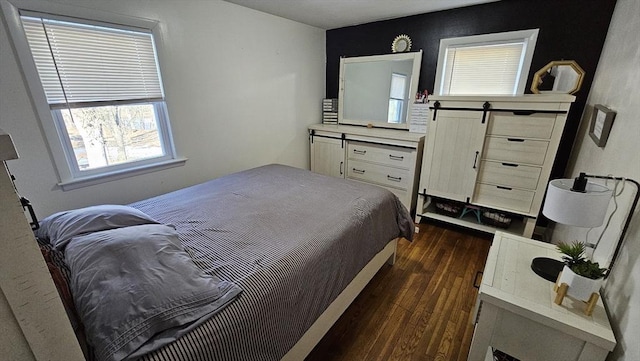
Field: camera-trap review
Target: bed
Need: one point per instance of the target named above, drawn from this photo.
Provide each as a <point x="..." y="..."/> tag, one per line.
<point x="289" y="250"/>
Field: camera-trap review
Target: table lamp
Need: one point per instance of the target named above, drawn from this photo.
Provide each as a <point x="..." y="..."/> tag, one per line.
<point x="579" y="203"/>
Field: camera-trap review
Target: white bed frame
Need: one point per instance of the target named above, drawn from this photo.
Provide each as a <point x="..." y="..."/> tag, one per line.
<point x="319" y="328"/>
<point x="37" y="313"/>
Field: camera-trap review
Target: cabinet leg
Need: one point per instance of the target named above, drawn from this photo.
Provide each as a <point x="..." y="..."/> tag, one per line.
<point x="419" y="208"/>
<point x="529" y="227"/>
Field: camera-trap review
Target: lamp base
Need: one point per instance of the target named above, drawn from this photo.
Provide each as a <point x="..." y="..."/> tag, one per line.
<point x="547" y="268"/>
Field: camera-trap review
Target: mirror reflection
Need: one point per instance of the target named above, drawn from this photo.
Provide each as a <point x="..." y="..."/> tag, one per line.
<point x="377" y="90"/>
<point x="563" y="76"/>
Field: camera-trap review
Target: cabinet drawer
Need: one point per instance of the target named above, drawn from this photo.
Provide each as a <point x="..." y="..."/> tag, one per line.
<point x="536" y="125"/>
<point x="386" y="176"/>
<point x="382" y="154"/>
<point x="516" y="150"/>
<point x="506" y="198"/>
<point x="509" y="174"/>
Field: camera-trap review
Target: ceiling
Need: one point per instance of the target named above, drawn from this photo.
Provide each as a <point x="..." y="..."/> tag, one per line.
<point x="332" y="14"/>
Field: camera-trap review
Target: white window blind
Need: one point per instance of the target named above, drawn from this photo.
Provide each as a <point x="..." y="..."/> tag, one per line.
<point x="398" y="86"/>
<point x="483" y="69"/>
<point x="84" y="64"/>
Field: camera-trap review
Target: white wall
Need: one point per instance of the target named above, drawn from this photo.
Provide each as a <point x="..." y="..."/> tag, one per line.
<point x="241" y="87"/>
<point x="617" y="86"/>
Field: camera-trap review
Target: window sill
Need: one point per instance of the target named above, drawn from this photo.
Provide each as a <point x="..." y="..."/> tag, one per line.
<point x="125" y="173"/>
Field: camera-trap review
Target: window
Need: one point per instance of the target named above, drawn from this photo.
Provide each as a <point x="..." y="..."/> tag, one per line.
<point x="104" y="93"/>
<point x="396" y="97"/>
<point x="485" y="64"/>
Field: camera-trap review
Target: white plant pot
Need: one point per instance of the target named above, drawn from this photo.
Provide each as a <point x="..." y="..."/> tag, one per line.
<point x="580" y="287"/>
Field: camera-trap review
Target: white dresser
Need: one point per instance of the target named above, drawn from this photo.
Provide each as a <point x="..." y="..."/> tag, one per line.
<point x="493" y="152"/>
<point x="385" y="157"/>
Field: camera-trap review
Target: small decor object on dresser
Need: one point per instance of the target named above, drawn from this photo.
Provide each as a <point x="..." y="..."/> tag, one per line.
<point x="601" y="122"/>
<point x="419" y="120"/>
<point x="330" y="111"/>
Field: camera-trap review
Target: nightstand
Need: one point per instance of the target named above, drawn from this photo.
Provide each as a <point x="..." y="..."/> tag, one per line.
<point x="515" y="312"/>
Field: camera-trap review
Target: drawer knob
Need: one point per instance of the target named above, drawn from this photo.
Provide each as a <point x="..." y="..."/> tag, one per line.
<point x="505" y="188"/>
<point x="515" y="140"/>
<point x="359" y="171"/>
<point x="361" y="152"/>
<point x="396" y="157"/>
<point x="509" y="164"/>
<point x="395" y="179"/>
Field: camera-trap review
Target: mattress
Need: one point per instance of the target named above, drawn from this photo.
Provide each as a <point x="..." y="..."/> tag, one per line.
<point x="292" y="240"/>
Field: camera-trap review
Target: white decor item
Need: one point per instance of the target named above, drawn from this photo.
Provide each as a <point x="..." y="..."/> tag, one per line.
<point x="579" y="287"/>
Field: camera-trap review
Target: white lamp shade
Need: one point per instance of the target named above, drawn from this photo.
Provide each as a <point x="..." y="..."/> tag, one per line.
<point x="565" y="206"/>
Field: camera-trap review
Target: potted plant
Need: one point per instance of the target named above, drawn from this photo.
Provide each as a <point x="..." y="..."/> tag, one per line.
<point x="580" y="278"/>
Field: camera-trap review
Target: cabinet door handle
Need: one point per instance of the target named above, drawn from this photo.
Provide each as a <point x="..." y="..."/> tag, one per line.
<point x="515" y="140"/>
<point x="523" y="112"/>
<point x="359" y="171"/>
<point x="396" y="157"/>
<point x="361" y="152"/>
<point x="475" y="161"/>
<point x="341" y="164"/>
<point x="505" y="188"/>
<point x="509" y="164"/>
<point x="395" y="179"/>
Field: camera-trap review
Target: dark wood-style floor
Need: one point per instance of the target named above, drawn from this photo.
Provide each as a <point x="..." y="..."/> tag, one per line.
<point x="417" y="309"/>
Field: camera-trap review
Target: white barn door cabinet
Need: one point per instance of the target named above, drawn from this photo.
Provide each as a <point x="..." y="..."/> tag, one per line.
<point x="491" y="152"/>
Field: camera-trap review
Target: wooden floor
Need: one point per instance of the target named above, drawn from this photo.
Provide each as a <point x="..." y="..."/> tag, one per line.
<point x="417" y="309"/>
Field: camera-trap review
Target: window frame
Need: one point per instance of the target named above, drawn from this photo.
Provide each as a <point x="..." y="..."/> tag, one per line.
<point x="68" y="173"/>
<point x="529" y="37"/>
<point x="159" y="108"/>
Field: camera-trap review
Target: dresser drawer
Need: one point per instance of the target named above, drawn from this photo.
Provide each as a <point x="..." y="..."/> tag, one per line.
<point x="506" y="198"/>
<point x="374" y="173"/>
<point x="536" y="125"/>
<point x="509" y="174"/>
<point x="403" y="195"/>
<point x="515" y="150"/>
<point x="382" y="154"/>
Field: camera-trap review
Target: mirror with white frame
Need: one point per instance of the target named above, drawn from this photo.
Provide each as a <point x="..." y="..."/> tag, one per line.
<point x="378" y="90"/>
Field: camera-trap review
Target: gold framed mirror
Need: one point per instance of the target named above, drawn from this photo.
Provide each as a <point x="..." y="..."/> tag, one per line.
<point x="559" y="76"/>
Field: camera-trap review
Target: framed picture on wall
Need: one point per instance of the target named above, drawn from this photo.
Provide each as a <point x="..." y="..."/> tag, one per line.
<point x="601" y="122"/>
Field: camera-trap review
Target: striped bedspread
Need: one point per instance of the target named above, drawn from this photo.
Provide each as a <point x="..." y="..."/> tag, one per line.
<point x="291" y="239"/>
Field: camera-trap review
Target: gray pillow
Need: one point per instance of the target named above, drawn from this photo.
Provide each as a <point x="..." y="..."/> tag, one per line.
<point x="137" y="286"/>
<point x="59" y="228"/>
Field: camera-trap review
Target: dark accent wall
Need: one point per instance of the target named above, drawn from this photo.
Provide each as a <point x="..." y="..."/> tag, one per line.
<point x="569" y="29"/>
